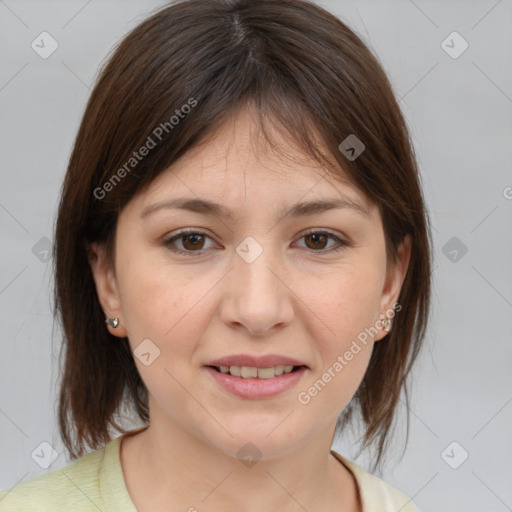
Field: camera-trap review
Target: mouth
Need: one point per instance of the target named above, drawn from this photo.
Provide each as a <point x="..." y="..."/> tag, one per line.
<point x="254" y="372"/>
<point x="256" y="377"/>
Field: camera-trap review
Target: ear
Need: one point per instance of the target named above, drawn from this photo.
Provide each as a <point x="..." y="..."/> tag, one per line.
<point x="395" y="276"/>
<point x="106" y="288"/>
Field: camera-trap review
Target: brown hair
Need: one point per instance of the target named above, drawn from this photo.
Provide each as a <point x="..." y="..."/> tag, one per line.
<point x="301" y="67"/>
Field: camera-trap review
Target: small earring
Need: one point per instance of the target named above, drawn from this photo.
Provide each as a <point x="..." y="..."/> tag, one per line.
<point x="386" y="323"/>
<point x="113" y="322"/>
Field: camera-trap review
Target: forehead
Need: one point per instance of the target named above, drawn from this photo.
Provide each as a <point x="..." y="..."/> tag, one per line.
<point x="236" y="164"/>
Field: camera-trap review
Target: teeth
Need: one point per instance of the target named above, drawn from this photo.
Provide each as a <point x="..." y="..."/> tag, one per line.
<point x="235" y="370"/>
<point x="248" y="372"/>
<point x="251" y="372"/>
<point x="266" y="373"/>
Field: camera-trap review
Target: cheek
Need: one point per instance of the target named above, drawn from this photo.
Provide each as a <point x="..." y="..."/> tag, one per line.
<point x="163" y="305"/>
<point x="349" y="301"/>
<point x="347" y="307"/>
<point x="344" y="353"/>
<point x="169" y="306"/>
<point x="155" y="296"/>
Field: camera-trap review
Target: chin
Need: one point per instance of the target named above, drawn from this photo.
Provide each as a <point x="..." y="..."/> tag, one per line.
<point x="252" y="442"/>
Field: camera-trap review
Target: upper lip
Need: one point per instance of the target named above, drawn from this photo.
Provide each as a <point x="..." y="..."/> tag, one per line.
<point x="265" y="361"/>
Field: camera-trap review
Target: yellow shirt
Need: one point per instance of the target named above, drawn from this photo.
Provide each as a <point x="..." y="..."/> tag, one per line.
<point x="95" y="483"/>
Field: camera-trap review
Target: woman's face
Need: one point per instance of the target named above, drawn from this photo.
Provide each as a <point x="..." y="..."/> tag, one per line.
<point x="273" y="284"/>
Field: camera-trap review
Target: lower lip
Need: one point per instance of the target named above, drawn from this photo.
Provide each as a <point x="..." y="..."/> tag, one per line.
<point x="257" y="388"/>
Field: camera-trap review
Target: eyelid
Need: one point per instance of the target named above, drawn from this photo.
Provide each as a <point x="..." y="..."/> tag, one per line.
<point x="309" y="231"/>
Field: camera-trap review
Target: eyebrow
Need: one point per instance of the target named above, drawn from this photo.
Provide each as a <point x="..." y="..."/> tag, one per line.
<point x="206" y="207"/>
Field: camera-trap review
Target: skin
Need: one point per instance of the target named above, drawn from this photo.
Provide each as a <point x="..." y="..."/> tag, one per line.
<point x="298" y="298"/>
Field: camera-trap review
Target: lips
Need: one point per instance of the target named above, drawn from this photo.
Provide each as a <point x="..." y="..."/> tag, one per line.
<point x="256" y="377"/>
<point x="254" y="387"/>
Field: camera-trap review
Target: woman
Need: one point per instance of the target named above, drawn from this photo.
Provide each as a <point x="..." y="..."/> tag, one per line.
<point x="242" y="257"/>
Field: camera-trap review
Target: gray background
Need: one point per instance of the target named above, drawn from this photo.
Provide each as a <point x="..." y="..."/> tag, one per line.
<point x="459" y="112"/>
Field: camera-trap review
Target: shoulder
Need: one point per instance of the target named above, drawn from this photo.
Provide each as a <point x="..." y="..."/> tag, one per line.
<point x="73" y="487"/>
<point x="376" y="494"/>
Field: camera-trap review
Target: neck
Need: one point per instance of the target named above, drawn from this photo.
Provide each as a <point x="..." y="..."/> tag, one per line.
<point x="165" y="465"/>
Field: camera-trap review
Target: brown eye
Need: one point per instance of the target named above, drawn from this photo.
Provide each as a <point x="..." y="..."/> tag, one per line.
<point x="190" y="241"/>
<point x="193" y="241"/>
<point x="317" y="241"/>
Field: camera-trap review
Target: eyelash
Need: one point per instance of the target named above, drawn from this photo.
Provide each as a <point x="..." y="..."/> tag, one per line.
<point x="169" y="241"/>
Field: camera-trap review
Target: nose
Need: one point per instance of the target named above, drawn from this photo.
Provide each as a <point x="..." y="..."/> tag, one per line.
<point x="257" y="298"/>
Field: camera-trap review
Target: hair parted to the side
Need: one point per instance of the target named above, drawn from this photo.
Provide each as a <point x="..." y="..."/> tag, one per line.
<point x="305" y="71"/>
